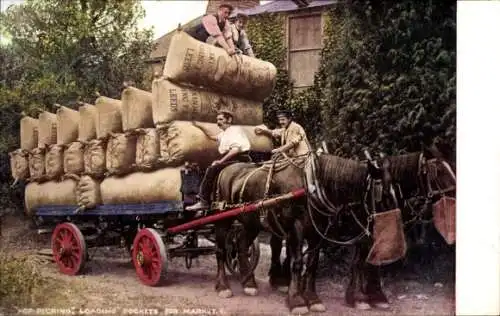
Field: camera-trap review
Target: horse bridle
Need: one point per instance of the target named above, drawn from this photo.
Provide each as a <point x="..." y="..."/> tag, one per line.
<point x="426" y="190"/>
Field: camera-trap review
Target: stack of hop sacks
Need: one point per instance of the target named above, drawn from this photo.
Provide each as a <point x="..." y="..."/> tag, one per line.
<point x="131" y="150"/>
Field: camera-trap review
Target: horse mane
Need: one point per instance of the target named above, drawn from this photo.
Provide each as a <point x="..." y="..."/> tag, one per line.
<point x="344" y="178"/>
<point x="404" y="169"/>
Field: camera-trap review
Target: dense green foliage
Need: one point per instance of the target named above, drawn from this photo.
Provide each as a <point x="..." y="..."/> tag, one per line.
<point x="387" y="77"/>
<point x="266" y="34"/>
<point x="64" y="51"/>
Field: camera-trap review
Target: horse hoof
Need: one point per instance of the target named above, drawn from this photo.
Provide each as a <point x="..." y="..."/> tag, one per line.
<point x="382" y="305"/>
<point x="317" y="308"/>
<point x="300" y="310"/>
<point x="362" y="306"/>
<point x="250" y="291"/>
<point x="225" y="293"/>
<point x="283" y="289"/>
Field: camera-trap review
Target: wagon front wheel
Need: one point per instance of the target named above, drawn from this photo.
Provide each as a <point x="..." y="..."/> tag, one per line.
<point x="150" y="257"/>
<point x="69" y="248"/>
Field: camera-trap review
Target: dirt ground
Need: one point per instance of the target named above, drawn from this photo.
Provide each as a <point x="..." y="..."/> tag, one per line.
<point x="110" y="287"/>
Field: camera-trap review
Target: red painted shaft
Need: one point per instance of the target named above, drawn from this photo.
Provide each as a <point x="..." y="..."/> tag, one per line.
<point x="235" y="211"/>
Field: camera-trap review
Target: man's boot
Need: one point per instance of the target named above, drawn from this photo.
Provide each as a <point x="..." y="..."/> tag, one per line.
<point x="201" y="205"/>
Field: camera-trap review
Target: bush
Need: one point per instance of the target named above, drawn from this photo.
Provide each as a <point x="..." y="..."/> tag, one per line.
<point x="21" y="282"/>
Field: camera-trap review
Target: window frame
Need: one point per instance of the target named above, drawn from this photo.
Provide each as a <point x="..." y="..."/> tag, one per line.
<point x="289" y="51"/>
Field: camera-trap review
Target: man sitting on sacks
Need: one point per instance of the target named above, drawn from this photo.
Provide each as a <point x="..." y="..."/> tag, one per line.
<point x="234" y="146"/>
<point x="215" y="29"/>
<point x="293" y="139"/>
<point x="240" y="37"/>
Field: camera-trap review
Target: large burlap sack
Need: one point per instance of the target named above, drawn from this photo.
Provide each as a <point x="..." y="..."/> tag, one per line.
<point x="137" y="111"/>
<point x="54" y="162"/>
<point x="73" y="158"/>
<point x="143" y="187"/>
<point x="28" y="132"/>
<point x="67" y="125"/>
<point x="109" y="116"/>
<point x="36" y="163"/>
<point x="201" y="64"/>
<point x="87" y="124"/>
<point x="47" y="129"/>
<point x="172" y="102"/>
<point x="120" y="153"/>
<point x="88" y="193"/>
<point x="49" y="193"/>
<point x="94" y="158"/>
<point x="19" y="168"/>
<point x="147" y="149"/>
<point x="181" y="141"/>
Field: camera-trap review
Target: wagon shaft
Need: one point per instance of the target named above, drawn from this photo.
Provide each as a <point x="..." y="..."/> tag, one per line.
<point x="236" y="211"/>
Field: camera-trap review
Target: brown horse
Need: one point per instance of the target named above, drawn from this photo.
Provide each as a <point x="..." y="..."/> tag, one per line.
<point x="248" y="182"/>
<point x="291" y="223"/>
<point x="421" y="179"/>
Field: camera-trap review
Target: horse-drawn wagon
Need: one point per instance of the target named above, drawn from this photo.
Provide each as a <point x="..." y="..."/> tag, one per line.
<point x="147" y="230"/>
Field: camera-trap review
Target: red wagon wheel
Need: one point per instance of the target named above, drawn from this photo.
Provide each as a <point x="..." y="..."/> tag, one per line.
<point x="69" y="248"/>
<point x="150" y="257"/>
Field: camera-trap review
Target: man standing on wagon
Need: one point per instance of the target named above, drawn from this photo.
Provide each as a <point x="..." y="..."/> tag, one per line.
<point x="215" y="29"/>
<point x="234" y="146"/>
<point x="292" y="136"/>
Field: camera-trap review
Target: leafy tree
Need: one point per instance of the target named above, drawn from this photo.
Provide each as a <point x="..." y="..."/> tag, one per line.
<point x="64" y="51"/>
<point x="389" y="76"/>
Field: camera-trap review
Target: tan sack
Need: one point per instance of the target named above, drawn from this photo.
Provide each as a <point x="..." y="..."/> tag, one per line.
<point x="73" y="158"/>
<point x="147" y="149"/>
<point x="19" y="168"/>
<point x="29" y="132"/>
<point x="120" y="153"/>
<point x="94" y="158"/>
<point x="172" y="102"/>
<point x="137" y="109"/>
<point x="36" y="163"/>
<point x="191" y="61"/>
<point x="87" y="124"/>
<point x="54" y="162"/>
<point x="49" y="193"/>
<point x="47" y="129"/>
<point x="181" y="141"/>
<point x="88" y="192"/>
<point x="258" y="143"/>
<point x="143" y="187"/>
<point x="109" y="116"/>
<point x="67" y="125"/>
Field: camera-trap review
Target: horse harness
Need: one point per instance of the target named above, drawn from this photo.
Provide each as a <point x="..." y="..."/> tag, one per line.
<point x="427" y="176"/>
<point x="318" y="200"/>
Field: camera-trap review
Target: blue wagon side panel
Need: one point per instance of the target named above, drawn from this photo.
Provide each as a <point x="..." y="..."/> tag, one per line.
<point x="112" y="209"/>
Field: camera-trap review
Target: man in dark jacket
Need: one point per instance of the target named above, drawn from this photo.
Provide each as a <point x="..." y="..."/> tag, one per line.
<point x="215" y="29"/>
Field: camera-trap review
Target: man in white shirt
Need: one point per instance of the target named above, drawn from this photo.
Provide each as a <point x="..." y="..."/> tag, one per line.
<point x="233" y="146"/>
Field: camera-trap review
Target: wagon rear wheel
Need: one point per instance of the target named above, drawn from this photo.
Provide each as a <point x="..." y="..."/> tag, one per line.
<point x="150" y="257"/>
<point x="69" y="248"/>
